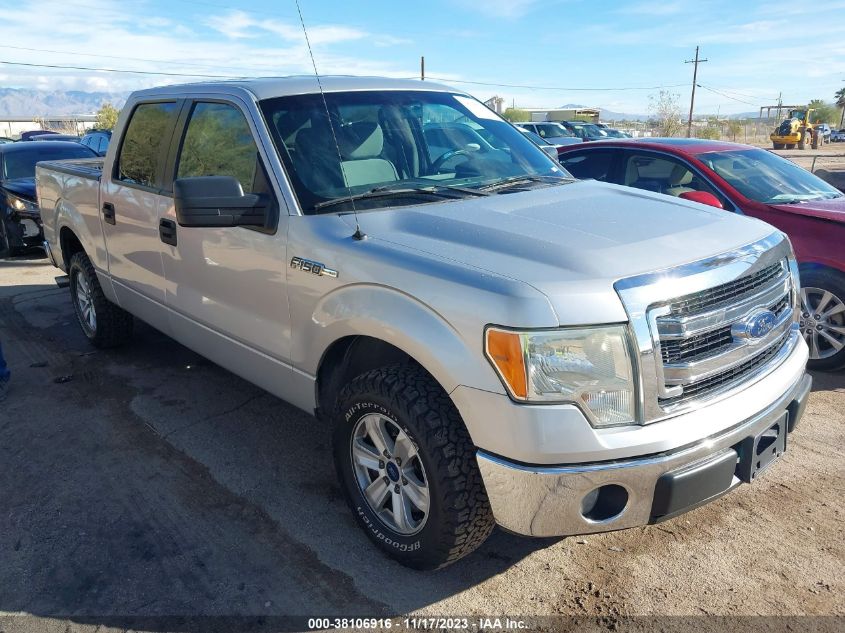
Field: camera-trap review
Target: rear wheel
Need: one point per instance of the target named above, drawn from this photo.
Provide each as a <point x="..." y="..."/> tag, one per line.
<point x="408" y="469"/>
<point x="104" y="323"/>
<point x="805" y="140"/>
<point x="823" y="317"/>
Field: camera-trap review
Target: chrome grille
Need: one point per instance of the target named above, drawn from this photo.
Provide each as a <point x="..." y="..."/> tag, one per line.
<point x="725" y="293"/>
<point x="702" y="387"/>
<point x="701" y="329"/>
<point x="707" y="344"/>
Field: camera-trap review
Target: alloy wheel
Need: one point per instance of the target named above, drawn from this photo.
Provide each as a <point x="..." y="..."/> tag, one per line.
<point x="822" y="322"/>
<point x="85" y="303"/>
<point x="390" y="474"/>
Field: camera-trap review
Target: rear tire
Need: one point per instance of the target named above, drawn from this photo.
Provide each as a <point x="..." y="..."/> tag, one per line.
<point x="440" y="513"/>
<point x="105" y="324"/>
<point x="823" y="296"/>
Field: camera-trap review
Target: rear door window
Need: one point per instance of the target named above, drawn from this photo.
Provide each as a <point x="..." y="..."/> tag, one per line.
<point x="665" y="174"/>
<point x="145" y="143"/>
<point x="595" y="164"/>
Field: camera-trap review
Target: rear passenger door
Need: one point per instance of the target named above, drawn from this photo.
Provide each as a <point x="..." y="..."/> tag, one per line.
<point x="132" y="195"/>
<point x="226" y="286"/>
<point x="663" y="173"/>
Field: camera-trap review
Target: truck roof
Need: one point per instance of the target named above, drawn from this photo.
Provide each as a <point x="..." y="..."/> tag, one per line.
<point x="269" y="87"/>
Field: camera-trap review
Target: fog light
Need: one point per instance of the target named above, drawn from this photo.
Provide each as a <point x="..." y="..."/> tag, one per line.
<point x="604" y="503"/>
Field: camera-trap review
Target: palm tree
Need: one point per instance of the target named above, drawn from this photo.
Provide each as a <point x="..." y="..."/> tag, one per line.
<point x="840" y="101"/>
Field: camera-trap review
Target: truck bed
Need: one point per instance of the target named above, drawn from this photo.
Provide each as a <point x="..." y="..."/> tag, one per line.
<point x="83" y="167"/>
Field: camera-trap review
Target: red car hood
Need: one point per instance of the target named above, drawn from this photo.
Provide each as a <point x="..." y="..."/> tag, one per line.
<point x="833" y="210"/>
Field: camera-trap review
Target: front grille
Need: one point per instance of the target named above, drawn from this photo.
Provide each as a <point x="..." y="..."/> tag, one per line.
<point x="709" y="343"/>
<point x="702" y="387"/>
<point x="724" y="294"/>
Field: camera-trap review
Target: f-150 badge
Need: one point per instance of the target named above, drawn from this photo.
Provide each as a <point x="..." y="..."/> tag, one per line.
<point x="315" y="268"/>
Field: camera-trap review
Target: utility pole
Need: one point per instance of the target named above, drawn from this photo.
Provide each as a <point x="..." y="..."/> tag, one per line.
<point x="422" y="68"/>
<point x="695" y="61"/>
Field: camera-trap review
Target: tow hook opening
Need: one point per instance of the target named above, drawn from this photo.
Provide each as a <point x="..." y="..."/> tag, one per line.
<point x="604" y="503"/>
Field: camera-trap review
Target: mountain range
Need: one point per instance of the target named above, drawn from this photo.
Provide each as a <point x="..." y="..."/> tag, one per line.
<point x="18" y="102"/>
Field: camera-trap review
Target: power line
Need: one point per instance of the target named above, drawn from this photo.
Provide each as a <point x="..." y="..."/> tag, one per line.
<point x="527" y="87"/>
<point x="727" y="96"/>
<point x="115" y="70"/>
<point x="741" y="94"/>
<point x="133" y="59"/>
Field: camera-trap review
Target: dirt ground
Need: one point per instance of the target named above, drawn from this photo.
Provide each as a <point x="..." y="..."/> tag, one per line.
<point x="148" y="482"/>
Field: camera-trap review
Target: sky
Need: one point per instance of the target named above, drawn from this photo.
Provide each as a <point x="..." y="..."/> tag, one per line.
<point x="532" y="53"/>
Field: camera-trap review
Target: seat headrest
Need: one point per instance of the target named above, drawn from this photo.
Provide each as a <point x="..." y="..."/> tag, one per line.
<point x="361" y="140"/>
<point x="680" y="176"/>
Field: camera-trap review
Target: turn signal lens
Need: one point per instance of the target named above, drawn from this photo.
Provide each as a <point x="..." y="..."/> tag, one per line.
<point x="504" y="349"/>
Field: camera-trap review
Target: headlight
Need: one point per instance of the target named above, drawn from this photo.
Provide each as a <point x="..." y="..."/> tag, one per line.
<point x="589" y="367"/>
<point x="19" y="204"/>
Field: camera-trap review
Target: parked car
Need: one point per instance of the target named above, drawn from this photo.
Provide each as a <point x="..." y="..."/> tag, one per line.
<point x="20" y="220"/>
<point x="838" y="136"/>
<point x="753" y="182"/>
<point x="27" y="136"/>
<point x="825" y="131"/>
<point x="550" y="131"/>
<point x="613" y="133"/>
<point x="585" y="131"/>
<point x="97" y="140"/>
<point x="550" y="148"/>
<point x="55" y="137"/>
<point x="491" y="340"/>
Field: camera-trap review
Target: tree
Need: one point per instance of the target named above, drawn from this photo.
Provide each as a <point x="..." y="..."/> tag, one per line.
<point x="107" y="116"/>
<point x="734" y="128"/>
<point x="667" y="112"/>
<point x="825" y="112"/>
<point x="840" y="101"/>
<point x="712" y="131"/>
<point x="516" y="114"/>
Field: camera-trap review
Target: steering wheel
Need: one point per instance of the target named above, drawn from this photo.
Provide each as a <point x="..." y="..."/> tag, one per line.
<point x="438" y="162"/>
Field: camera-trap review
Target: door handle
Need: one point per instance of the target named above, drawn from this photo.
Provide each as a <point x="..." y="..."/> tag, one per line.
<point x="108" y="213"/>
<point x="167" y="231"/>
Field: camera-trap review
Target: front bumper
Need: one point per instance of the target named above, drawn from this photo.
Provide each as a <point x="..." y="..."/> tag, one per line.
<point x="550" y="500"/>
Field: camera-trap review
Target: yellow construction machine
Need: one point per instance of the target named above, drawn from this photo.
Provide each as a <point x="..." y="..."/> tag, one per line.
<point x="797" y="131"/>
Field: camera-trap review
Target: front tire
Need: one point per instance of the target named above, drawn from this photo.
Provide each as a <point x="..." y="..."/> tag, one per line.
<point x="105" y="324"/>
<point x="823" y="317"/>
<point x="408" y="469"/>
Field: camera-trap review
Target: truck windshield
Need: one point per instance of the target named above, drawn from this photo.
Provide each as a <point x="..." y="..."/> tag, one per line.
<point x="21" y="163"/>
<point x="762" y="176"/>
<point x="440" y="145"/>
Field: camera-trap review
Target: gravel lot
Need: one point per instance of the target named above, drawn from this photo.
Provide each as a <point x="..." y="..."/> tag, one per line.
<point x="147" y="481"/>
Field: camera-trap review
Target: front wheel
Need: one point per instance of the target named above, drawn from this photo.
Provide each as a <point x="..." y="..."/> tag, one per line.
<point x="408" y="468"/>
<point x="104" y="323"/>
<point x="823" y="317"/>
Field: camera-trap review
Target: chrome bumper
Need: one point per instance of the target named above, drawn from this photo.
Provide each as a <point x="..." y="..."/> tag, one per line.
<point x="550" y="500"/>
<point x="46" y="245"/>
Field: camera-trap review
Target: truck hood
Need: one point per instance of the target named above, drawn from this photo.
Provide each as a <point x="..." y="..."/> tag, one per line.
<point x="833" y="210"/>
<point x="570" y="242"/>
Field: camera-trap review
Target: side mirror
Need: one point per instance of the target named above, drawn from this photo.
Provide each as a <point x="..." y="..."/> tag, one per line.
<point x="208" y="201"/>
<point x="703" y="197"/>
<point x="551" y="150"/>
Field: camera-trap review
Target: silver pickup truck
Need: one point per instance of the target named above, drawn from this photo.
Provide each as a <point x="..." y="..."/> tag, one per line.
<point x="492" y="340"/>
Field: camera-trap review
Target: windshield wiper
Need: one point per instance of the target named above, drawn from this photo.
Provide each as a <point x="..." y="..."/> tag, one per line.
<point x="440" y="192"/>
<point x="514" y="181"/>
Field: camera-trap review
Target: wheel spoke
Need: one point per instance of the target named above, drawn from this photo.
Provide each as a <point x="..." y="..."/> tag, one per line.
<point x="365" y="456"/>
<point x="814" y="345"/>
<point x="805" y="301"/>
<point x="836" y="309"/>
<point x="376" y="493"/>
<point x="378" y="434"/>
<point x="834" y="342"/>
<point x="835" y="328"/>
<point x="826" y="297"/>
<point x="417" y="494"/>
<point x="404" y="448"/>
<point x="401" y="512"/>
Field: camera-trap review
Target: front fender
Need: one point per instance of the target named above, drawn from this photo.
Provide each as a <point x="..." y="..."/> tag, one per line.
<point x="406" y="323"/>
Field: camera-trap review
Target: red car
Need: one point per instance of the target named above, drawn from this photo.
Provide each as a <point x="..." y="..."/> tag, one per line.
<point x="754" y="182"/>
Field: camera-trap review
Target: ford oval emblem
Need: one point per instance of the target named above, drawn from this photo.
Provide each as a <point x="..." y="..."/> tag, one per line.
<point x="755" y="326"/>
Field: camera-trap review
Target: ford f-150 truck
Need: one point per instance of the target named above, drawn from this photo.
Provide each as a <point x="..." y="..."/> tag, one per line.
<point x="492" y="340"/>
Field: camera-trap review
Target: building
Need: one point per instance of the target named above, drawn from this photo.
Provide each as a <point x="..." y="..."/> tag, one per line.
<point x="11" y="126"/>
<point x="591" y="115"/>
